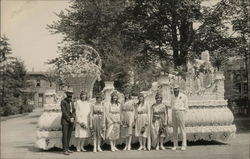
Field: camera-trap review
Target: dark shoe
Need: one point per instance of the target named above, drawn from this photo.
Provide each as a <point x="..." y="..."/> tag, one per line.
<point x="70" y="151"/>
<point x="66" y="153"/>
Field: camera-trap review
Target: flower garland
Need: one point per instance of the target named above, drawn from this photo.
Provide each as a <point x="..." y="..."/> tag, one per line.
<point x="77" y="68"/>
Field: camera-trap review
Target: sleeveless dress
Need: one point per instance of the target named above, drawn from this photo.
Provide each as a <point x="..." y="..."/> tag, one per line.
<point x="141" y="120"/>
<point x="113" y="116"/>
<point x="82" y="116"/>
<point x="98" y="119"/>
<point x="158" y="117"/>
<point x="128" y="113"/>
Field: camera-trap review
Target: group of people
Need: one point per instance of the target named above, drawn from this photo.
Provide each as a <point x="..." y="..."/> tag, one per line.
<point x="114" y="120"/>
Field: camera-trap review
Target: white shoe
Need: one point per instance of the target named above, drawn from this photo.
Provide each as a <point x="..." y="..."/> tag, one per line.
<point x="125" y="148"/>
<point x="140" y="148"/>
<point x="129" y="148"/>
<point x="83" y="150"/>
<point x="99" y="149"/>
<point x="183" y="148"/>
<point x="78" y="150"/>
<point x="94" y="151"/>
<point x="162" y="147"/>
<point x="144" y="148"/>
<point x="174" y="148"/>
<point x="116" y="149"/>
<point x="157" y="148"/>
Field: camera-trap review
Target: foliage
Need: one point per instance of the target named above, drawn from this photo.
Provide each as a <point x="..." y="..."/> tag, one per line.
<point x="143" y="33"/>
<point x="183" y="28"/>
<point x="76" y="60"/>
<point x="242" y="102"/>
<point x="13" y="80"/>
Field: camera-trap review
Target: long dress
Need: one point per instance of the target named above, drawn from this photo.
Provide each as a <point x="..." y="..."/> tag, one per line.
<point x="159" y="118"/>
<point x="97" y="114"/>
<point x="128" y="113"/>
<point x="141" y="130"/>
<point x="82" y="116"/>
<point x="113" y="121"/>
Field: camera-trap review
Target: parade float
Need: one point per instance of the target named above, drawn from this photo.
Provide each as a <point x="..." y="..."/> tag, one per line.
<point x="208" y="117"/>
<point x="77" y="71"/>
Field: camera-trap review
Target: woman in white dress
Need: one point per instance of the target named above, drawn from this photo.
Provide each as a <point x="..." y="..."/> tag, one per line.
<point x="82" y="132"/>
<point x="113" y="121"/>
<point x="141" y="122"/>
<point x="127" y="118"/>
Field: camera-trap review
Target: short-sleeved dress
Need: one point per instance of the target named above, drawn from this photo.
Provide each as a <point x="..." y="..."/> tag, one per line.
<point x="113" y="121"/>
<point x="128" y="113"/>
<point x="158" y="117"/>
<point x="82" y="116"/>
<point x="98" y="119"/>
<point x="141" y="130"/>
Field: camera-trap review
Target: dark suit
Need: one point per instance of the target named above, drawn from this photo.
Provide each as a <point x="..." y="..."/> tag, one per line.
<point x="68" y="111"/>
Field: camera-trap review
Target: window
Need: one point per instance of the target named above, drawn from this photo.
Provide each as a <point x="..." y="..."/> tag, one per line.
<point x="38" y="83"/>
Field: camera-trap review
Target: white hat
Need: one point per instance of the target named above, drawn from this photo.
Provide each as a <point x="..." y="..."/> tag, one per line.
<point x="69" y="90"/>
<point x="176" y="86"/>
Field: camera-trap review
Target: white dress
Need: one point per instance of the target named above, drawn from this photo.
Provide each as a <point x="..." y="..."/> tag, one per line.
<point x="82" y="116"/>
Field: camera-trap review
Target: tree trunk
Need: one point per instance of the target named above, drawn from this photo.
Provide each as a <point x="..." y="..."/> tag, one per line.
<point x="175" y="43"/>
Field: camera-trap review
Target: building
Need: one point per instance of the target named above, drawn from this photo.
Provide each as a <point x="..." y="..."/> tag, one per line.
<point x="39" y="84"/>
<point x="236" y="85"/>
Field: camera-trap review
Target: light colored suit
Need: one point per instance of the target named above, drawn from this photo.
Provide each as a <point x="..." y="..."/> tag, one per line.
<point x="179" y="106"/>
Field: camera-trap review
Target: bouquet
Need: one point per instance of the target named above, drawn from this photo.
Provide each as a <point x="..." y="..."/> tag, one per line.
<point x="92" y="132"/>
<point x="125" y="124"/>
<point x="143" y="130"/>
<point x="161" y="131"/>
<point x="83" y="125"/>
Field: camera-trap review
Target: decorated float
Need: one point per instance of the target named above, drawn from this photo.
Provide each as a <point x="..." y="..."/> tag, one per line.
<point x="208" y="117"/>
<point x="77" y="71"/>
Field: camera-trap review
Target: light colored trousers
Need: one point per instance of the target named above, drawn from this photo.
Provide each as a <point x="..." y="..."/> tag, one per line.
<point x="178" y="119"/>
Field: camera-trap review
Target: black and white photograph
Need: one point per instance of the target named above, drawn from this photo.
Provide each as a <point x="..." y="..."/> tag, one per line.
<point x="127" y="79"/>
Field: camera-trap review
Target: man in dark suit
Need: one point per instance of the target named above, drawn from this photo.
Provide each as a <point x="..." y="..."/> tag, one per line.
<point x="67" y="120"/>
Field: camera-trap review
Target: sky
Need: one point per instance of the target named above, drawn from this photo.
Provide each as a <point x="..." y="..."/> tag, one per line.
<point x="24" y="22"/>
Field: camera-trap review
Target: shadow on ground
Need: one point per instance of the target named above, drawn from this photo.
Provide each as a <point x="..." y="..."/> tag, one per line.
<point x="106" y="147"/>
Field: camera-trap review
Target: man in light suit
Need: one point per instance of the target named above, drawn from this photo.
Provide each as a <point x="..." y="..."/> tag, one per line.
<point x="67" y="120"/>
<point x="179" y="104"/>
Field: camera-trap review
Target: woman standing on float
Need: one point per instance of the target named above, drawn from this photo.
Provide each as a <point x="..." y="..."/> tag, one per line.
<point x="141" y="122"/>
<point x="113" y="121"/>
<point x="97" y="122"/>
<point x="128" y="113"/>
<point x="82" y="132"/>
<point x="159" y="121"/>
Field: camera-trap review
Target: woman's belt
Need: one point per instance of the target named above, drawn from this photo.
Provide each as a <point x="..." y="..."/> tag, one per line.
<point x="114" y="112"/>
<point x="98" y="113"/>
<point x="142" y="112"/>
<point x="158" y="113"/>
<point x="127" y="110"/>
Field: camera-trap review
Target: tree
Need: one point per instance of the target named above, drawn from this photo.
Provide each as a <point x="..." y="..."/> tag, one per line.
<point x="184" y="27"/>
<point x="91" y="22"/>
<point x="13" y="80"/>
<point x="96" y="23"/>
